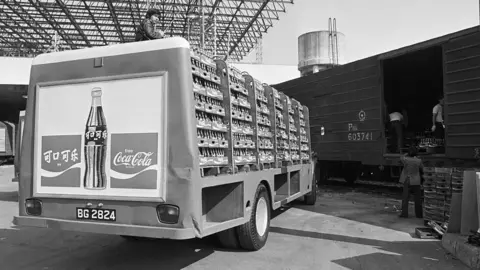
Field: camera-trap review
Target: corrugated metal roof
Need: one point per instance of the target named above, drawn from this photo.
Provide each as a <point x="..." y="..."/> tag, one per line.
<point x="27" y="27"/>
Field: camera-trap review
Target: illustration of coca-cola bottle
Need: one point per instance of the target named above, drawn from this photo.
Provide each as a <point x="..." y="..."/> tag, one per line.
<point x="95" y="144"/>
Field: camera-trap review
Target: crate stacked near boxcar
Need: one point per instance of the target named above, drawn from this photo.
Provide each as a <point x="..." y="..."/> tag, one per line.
<point x="242" y="124"/>
<point x="437" y="193"/>
<point x="457" y="180"/>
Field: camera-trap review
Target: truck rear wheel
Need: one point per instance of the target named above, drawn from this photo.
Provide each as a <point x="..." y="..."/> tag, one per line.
<point x="253" y="234"/>
<point x="311" y="197"/>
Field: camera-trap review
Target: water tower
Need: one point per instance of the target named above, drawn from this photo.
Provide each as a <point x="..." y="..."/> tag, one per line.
<point x="319" y="50"/>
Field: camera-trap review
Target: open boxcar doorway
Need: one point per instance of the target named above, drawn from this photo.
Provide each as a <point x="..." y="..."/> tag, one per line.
<point x="413" y="83"/>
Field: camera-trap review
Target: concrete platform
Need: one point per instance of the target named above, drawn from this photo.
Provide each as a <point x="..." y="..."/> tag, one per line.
<point x="457" y="245"/>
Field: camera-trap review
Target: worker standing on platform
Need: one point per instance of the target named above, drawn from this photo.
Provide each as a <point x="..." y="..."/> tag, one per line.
<point x="147" y="30"/>
<point x="411" y="178"/>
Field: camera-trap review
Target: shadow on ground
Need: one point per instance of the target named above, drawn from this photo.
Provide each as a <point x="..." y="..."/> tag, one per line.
<point x="378" y="206"/>
<point x="49" y="249"/>
<point x="70" y="250"/>
<point x="403" y="255"/>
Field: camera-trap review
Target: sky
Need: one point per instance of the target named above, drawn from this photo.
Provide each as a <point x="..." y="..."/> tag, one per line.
<point x="370" y="26"/>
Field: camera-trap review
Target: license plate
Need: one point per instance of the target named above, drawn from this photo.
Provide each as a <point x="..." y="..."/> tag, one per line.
<point x="96" y="214"/>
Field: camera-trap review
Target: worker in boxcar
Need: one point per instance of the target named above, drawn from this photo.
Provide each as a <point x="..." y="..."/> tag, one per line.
<point x="438" y="126"/>
<point x="147" y="29"/>
<point x="411" y="178"/>
<point x="397" y="122"/>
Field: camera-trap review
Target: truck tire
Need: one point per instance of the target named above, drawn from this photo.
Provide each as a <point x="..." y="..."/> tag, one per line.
<point x="228" y="239"/>
<point x="311" y="197"/>
<point x="253" y="235"/>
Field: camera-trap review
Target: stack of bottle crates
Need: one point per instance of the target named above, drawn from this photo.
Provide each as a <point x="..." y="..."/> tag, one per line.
<point x="439" y="185"/>
<point x="242" y="124"/>
<point x="264" y="124"/>
<point x="212" y="130"/>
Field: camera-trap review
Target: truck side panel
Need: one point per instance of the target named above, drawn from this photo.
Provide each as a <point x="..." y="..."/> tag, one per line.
<point x="345" y="111"/>
<point x="462" y="96"/>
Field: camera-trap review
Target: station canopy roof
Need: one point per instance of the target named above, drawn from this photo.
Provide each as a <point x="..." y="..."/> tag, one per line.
<point x="28" y="27"/>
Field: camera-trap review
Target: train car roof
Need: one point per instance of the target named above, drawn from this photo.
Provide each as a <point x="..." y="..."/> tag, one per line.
<point x="428" y="43"/>
<point x="396" y="52"/>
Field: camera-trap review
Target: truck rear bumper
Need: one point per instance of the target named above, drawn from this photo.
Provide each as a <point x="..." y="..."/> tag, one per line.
<point x="105" y="228"/>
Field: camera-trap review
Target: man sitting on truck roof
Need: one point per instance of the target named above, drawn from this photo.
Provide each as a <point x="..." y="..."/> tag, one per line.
<point x="147" y="30"/>
<point x="438" y="127"/>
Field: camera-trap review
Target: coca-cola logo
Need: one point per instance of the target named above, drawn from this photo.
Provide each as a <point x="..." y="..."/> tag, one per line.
<point x="130" y="159"/>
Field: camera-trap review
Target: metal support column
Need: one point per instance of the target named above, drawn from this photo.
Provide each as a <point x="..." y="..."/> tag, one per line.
<point x="202" y="22"/>
<point x="214" y="32"/>
<point x="229" y="45"/>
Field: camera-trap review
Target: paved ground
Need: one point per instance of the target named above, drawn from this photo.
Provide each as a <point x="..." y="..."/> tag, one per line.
<point x="345" y="230"/>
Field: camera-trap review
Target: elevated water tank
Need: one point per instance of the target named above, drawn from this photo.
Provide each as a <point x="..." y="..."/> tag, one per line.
<point x="315" y="51"/>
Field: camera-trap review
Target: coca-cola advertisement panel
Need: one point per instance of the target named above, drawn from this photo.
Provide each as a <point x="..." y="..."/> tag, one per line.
<point x="102" y="138"/>
<point x="133" y="164"/>
<point x="61" y="161"/>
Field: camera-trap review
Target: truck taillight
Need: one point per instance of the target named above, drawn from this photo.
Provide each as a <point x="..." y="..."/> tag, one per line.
<point x="168" y="213"/>
<point x="33" y="207"/>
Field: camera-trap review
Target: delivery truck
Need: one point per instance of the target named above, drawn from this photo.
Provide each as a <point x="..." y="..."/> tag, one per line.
<point x="152" y="139"/>
<point x="7" y="142"/>
<point x="349" y="107"/>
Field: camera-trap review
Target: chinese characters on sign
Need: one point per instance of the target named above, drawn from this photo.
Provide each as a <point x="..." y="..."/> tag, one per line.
<point x="65" y="156"/>
<point x="61" y="157"/>
<point x="94" y="135"/>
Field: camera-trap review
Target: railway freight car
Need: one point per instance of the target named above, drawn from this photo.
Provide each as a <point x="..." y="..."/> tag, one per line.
<point x="349" y="107"/>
